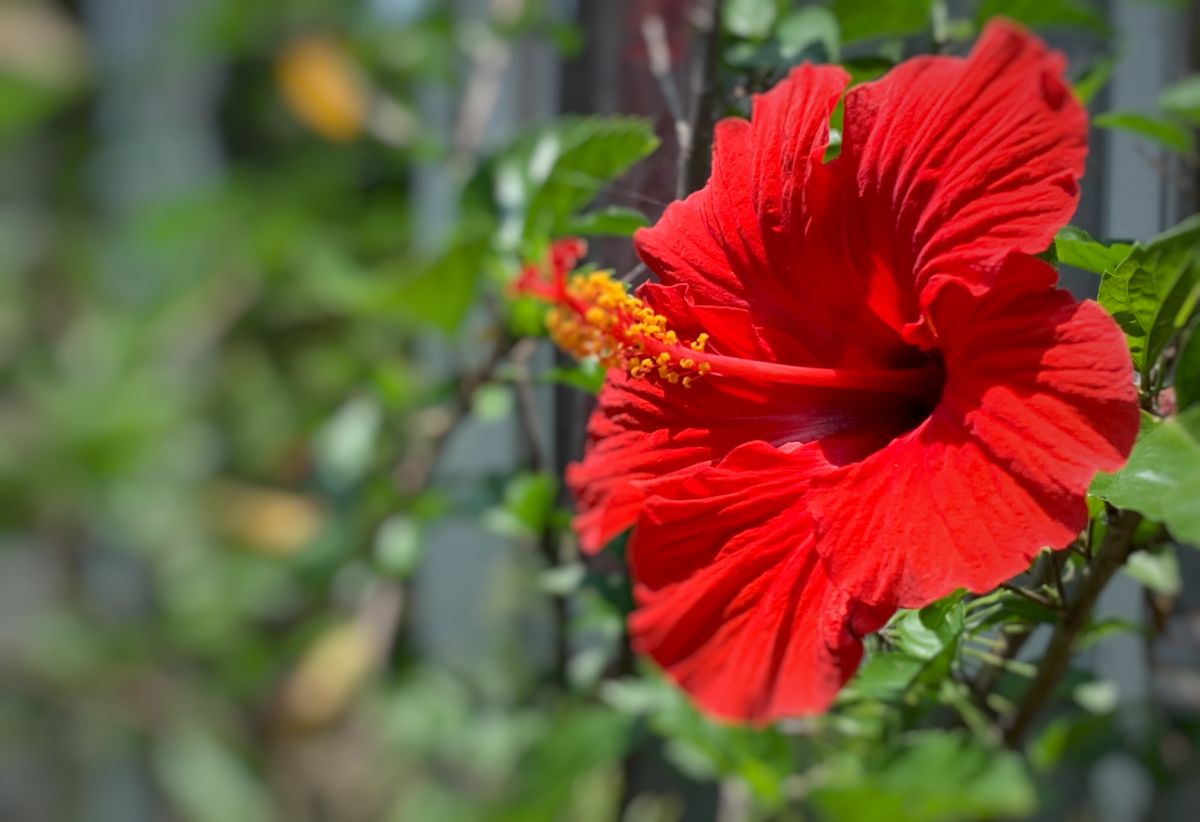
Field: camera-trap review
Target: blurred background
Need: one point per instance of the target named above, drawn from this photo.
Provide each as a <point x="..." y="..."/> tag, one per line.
<point x="282" y="532"/>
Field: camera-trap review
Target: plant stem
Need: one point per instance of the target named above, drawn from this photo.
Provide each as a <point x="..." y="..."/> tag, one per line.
<point x="1117" y="545"/>
<point x="704" y="91"/>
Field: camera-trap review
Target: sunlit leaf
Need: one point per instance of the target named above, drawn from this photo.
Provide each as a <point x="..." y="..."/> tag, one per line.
<point x="1183" y="98"/>
<point x="1165" y="132"/>
<point x="749" y="18"/>
<point x="807" y="27"/>
<point x="1151" y="292"/>
<point x="1162" y="477"/>
<point x="1074" y="246"/>
<point x="1158" y="570"/>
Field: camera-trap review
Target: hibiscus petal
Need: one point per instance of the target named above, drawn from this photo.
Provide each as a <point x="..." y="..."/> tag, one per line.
<point x="956" y="162"/>
<point x="734" y="603"/>
<point x="1039" y="396"/>
<point x="748" y="239"/>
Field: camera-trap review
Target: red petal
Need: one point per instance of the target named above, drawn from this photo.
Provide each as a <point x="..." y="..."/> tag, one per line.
<point x="735" y="604"/>
<point x="643" y="430"/>
<point x="955" y="162"/>
<point x="1039" y="396"/>
<point x="749" y="238"/>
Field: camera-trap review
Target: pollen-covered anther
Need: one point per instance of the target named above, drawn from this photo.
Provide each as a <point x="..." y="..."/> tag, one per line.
<point x="597" y="318"/>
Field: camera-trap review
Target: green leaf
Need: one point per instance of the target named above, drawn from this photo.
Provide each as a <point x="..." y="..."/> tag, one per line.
<point x="1187" y="372"/>
<point x="1162" y="477"/>
<point x="1074" y="246"/>
<point x="883" y="676"/>
<point x="1048" y="14"/>
<point x="586" y="376"/>
<point x="1150" y="293"/>
<point x="205" y="781"/>
<point x="1096" y="78"/>
<point x="807" y="27"/>
<point x="1183" y="99"/>
<point x="555" y="171"/>
<point x="1158" y="571"/>
<point x="397" y="546"/>
<point x="936" y="775"/>
<point x="866" y="19"/>
<point x="441" y="293"/>
<point x="749" y="18"/>
<point x="1165" y="132"/>
<point x="927" y="633"/>
<point x="613" y="221"/>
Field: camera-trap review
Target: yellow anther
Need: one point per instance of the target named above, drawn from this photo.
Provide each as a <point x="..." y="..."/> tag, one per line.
<point x="595" y="317"/>
<point x="687" y="382"/>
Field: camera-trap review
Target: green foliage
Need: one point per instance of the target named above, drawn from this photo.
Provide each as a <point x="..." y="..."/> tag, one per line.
<point x="1048" y="14"/>
<point x="1187" y="372"/>
<point x="1162" y="477"/>
<point x="1183" y="99"/>
<point x="932" y="776"/>
<point x="1073" y="246"/>
<point x="1165" y="132"/>
<point x="865" y="20"/>
<point x="613" y="221"/>
<point x="749" y="18"/>
<point x="1152" y="293"/>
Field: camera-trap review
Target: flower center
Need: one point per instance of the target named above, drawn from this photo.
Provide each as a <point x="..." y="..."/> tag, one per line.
<point x="596" y="317"/>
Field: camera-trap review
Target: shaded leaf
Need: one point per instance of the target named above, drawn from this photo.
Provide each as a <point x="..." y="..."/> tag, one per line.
<point x="613" y="221"/>
<point x="865" y="19"/>
<point x="1048" y="14"/>
<point x="807" y="27"/>
<point x="1187" y="372"/>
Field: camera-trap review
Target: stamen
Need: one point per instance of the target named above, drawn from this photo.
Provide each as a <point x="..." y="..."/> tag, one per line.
<point x="595" y="317"/>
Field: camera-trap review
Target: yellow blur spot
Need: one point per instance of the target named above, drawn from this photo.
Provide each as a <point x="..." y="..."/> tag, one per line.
<point x="328" y="675"/>
<point x="267" y="521"/>
<point x="323" y="88"/>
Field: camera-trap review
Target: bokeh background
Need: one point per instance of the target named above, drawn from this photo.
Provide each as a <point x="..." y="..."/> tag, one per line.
<point x="282" y="532"/>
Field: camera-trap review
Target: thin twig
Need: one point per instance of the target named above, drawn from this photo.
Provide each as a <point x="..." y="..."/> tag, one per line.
<point x="654" y="32"/>
<point x="1056" y="559"/>
<point x="1117" y="545"/>
<point x="1032" y="596"/>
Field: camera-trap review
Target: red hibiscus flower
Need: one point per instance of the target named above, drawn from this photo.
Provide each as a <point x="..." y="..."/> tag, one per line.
<point x="852" y="389"/>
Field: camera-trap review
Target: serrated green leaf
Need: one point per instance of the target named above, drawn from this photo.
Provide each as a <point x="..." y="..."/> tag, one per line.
<point x="613" y="221"/>
<point x="749" y="18"/>
<point x="1187" y="372"/>
<point x="1149" y="291"/>
<point x="1183" y="98"/>
<point x="1074" y="246"/>
<point x="1165" y="132"/>
<point x="1048" y="14"/>
<point x="549" y="174"/>
<point x="1162" y="478"/>
<point x="807" y="27"/>
<point x="935" y="776"/>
